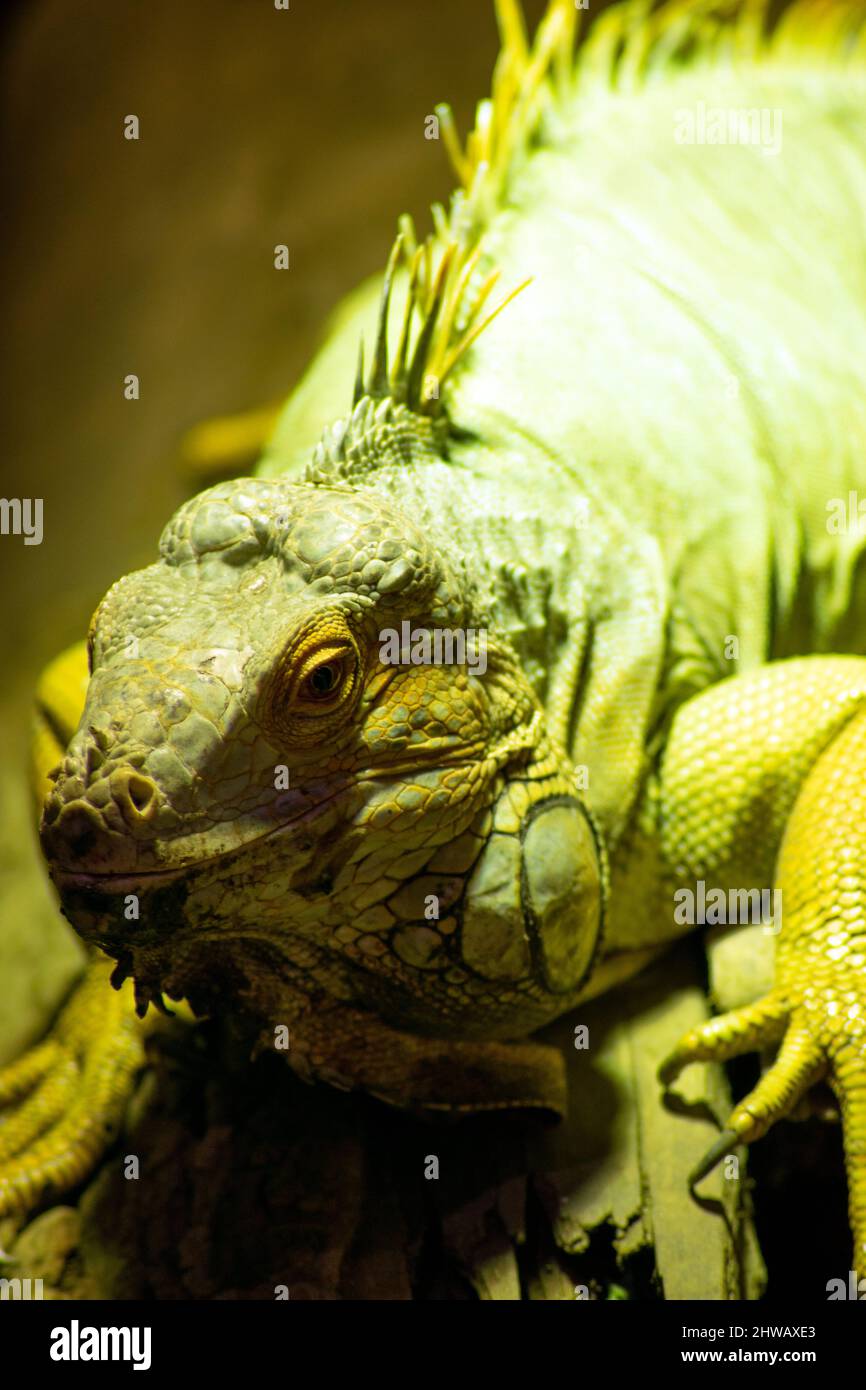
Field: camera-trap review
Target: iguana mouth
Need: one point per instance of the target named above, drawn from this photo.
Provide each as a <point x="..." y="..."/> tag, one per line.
<point x="68" y="879"/>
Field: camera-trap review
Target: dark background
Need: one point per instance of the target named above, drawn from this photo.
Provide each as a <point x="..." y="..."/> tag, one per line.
<point x="258" y="126"/>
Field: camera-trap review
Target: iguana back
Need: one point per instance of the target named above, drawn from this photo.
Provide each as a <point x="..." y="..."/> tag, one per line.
<point x="660" y="424"/>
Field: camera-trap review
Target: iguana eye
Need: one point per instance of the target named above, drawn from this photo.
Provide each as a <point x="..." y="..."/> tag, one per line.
<point x="325" y="680"/>
<point x="315" y="686"/>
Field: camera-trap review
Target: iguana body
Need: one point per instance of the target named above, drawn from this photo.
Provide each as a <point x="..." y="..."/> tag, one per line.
<point x="623" y="482"/>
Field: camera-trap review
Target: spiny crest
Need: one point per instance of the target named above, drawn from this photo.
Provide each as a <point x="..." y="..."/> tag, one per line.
<point x="446" y="293"/>
<point x="396" y="406"/>
<point x="630" y="43"/>
<point x="527" y="81"/>
<point x="448" y="283"/>
<point x="448" y="287"/>
<point x="643" y="40"/>
<point x="377" y="435"/>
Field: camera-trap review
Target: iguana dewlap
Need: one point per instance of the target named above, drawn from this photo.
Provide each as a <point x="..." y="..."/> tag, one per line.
<point x="630" y="495"/>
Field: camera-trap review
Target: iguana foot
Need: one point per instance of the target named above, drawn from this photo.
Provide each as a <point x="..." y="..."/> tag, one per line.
<point x="61" y="1104"/>
<point x="817" y="1007"/>
<point x="801" y="1061"/>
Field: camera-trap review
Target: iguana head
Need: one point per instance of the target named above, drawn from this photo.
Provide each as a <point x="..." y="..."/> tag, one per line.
<point x="254" y="788"/>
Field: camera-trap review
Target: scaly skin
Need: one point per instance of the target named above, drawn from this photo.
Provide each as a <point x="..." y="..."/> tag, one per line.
<point x="416" y="866"/>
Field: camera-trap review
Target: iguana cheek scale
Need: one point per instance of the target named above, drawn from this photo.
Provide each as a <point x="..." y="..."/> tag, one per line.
<point x="544" y="447"/>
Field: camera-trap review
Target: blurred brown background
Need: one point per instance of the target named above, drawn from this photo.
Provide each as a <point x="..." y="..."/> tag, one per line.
<point x="258" y="126"/>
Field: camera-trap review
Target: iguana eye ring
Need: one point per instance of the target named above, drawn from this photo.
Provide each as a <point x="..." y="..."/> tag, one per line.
<point x="324" y="679"/>
<point x="314" y="686"/>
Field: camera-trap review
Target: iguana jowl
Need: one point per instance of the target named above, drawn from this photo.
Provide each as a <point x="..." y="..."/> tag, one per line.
<point x="623" y="480"/>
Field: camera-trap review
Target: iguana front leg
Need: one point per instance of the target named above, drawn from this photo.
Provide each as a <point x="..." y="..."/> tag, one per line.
<point x="352" y="1048"/>
<point x="788" y="742"/>
<point x="62" y="1103"/>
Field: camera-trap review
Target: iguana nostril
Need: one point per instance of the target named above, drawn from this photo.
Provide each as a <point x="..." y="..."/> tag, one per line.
<point x="140" y="793"/>
<point x="70" y="834"/>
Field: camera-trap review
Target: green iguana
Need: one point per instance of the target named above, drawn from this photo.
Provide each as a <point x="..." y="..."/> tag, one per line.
<point x="618" y="489"/>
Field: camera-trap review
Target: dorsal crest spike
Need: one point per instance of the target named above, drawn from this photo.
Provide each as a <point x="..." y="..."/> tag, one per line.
<point x="422" y="354"/>
<point x="358" y="392"/>
<point x="378" y="384"/>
